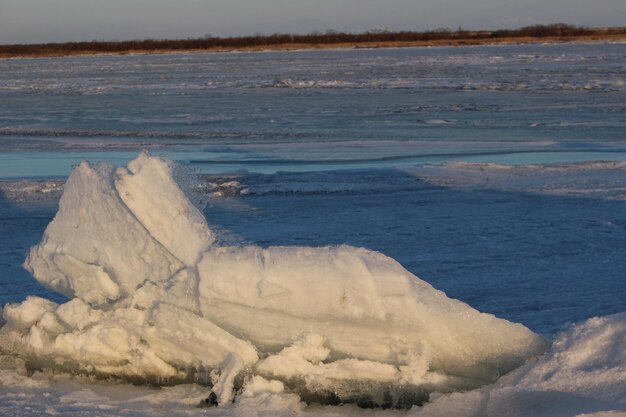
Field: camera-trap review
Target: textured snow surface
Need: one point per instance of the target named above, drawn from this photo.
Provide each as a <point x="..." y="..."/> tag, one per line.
<point x="153" y="299"/>
<point x="584" y="374"/>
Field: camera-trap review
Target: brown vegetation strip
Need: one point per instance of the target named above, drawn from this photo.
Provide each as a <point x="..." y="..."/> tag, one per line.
<point x="329" y="39"/>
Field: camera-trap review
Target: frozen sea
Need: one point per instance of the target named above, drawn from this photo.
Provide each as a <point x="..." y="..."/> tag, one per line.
<point x="495" y="173"/>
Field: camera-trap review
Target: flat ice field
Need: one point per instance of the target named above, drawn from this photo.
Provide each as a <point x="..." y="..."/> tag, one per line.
<point x="430" y="232"/>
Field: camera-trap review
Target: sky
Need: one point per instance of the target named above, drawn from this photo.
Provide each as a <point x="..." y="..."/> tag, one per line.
<point x="34" y="21"/>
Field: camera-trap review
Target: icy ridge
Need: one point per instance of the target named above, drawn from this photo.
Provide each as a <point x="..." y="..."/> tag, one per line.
<point x="152" y="296"/>
<point x="598" y="179"/>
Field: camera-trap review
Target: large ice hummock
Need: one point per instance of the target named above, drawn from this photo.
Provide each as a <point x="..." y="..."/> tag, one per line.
<point x="152" y="296"/>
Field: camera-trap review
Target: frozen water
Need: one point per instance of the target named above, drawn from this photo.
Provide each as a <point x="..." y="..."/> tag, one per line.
<point x="294" y="110"/>
<point x="477" y="168"/>
<point x="575" y="382"/>
<point x="462" y="227"/>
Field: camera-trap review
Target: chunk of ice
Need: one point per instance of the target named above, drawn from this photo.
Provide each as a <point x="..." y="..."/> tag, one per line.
<point x="152" y="297"/>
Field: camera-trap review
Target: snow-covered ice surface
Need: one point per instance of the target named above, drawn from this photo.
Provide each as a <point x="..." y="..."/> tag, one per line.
<point x="302" y="110"/>
<point x="598" y="179"/>
<point x="494" y="173"/>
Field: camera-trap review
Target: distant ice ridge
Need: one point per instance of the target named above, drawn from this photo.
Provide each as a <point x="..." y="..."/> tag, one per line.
<point x="597" y="179"/>
<point x="27" y="190"/>
<point x="153" y="297"/>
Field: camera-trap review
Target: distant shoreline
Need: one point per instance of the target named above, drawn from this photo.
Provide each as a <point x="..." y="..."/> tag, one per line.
<point x="330" y="40"/>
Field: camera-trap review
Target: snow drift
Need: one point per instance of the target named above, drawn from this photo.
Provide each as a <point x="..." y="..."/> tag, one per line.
<point x="584" y="372"/>
<point x="152" y="297"/>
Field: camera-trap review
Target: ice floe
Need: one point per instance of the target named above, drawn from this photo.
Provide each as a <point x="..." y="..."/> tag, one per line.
<point x="153" y="298"/>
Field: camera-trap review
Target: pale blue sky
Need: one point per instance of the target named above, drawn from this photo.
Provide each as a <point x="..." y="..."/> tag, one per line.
<point x="28" y="21"/>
